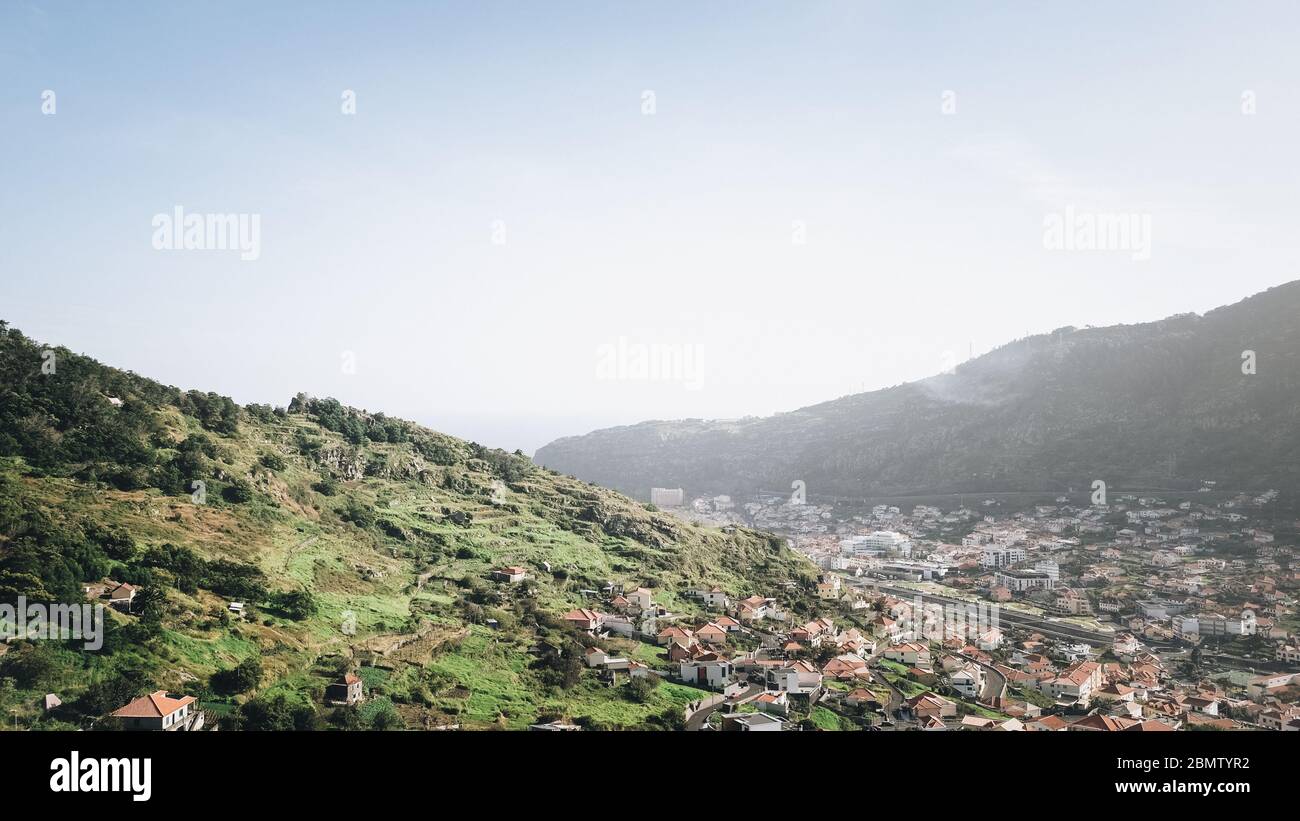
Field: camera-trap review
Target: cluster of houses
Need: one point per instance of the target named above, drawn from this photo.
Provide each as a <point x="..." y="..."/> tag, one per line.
<point x="1199" y="571"/>
<point x="1226" y="575"/>
<point x="1160" y="581"/>
<point x="631" y="614"/>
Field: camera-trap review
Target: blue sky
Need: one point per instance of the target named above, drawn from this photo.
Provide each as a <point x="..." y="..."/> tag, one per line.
<point x="923" y="231"/>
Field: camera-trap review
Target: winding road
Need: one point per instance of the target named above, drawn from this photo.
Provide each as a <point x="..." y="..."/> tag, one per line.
<point x="701" y="717"/>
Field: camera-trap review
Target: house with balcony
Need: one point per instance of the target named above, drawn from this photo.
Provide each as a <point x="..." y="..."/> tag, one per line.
<point x="160" y="711"/>
<point x="968" y="680"/>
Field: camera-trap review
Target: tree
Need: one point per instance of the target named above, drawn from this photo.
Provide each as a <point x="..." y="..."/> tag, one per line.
<point x="641" y="689"/>
<point x="150" y="603"/>
<point x="278" y="713"/>
<point x="216" y="413"/>
<point x="296" y="604"/>
<point x="672" y="718"/>
<point x="239" y="679"/>
<point x="235" y="579"/>
<point x="358" y="514"/>
<point x="116" y="542"/>
<point x="105" y="696"/>
<point x="183" y="562"/>
<point x="387" y="719"/>
<point x="29" y="664"/>
<point x="238" y="492"/>
<point x="560" y="666"/>
<point x="345" y="718"/>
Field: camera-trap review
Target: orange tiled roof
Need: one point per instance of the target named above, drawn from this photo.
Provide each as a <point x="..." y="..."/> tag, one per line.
<point x="154" y="705"/>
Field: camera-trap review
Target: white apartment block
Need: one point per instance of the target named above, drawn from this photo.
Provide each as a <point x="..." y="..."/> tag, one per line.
<point x="1051" y="568"/>
<point x="1214" y="624"/>
<point x="878" y="543"/>
<point x="1002" y="556"/>
<point x="1018" y="581"/>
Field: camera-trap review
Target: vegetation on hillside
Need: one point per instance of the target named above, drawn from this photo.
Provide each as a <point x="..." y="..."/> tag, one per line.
<point x="355" y="541"/>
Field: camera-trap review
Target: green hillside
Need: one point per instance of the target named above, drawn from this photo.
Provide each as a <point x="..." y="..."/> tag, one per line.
<point x="358" y="541"/>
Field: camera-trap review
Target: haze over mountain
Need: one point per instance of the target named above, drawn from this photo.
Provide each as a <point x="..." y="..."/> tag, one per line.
<point x="1162" y="404"/>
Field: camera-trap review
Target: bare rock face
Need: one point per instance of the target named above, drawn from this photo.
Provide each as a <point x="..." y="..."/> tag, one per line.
<point x="352" y="463"/>
<point x="342" y="463"/>
<point x="405" y="467"/>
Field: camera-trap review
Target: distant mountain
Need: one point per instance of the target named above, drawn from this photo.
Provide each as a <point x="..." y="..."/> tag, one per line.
<point x="1156" y="405"/>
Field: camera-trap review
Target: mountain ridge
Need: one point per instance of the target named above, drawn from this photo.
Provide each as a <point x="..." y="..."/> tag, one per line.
<point x="1156" y="402"/>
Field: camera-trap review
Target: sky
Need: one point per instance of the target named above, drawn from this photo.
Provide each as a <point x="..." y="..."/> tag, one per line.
<point x="519" y="221"/>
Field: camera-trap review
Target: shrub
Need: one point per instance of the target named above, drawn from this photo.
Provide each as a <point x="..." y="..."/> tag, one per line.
<point x="239" y="679"/>
<point x="29" y="665"/>
<point x="357" y="513"/>
<point x="277" y="713"/>
<point x="296" y="604"/>
<point x="641" y="689"/>
<point x="238" y="492"/>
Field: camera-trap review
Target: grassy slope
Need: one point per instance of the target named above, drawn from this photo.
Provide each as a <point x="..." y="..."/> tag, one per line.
<point x="406" y="582"/>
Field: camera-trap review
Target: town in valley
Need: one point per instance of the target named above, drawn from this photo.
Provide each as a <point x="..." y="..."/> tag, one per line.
<point x="1151" y="613"/>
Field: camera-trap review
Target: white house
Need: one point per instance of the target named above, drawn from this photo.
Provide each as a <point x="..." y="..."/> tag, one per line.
<point x="990" y="640"/>
<point x="909" y="653"/>
<point x="1126" y="644"/>
<point x="599" y="658"/>
<point x="968" y="680"/>
<point x="161" y="711"/>
<point x="714" y="598"/>
<point x="752" y="722"/>
<point x="641" y="597"/>
<point x="1075" y="684"/>
<point x="753" y="608"/>
<point x="799" y="678"/>
<point x="713" y="674"/>
<point x="1289" y="653"/>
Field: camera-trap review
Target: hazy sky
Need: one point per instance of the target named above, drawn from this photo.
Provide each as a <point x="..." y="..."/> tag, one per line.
<point x="819" y="198"/>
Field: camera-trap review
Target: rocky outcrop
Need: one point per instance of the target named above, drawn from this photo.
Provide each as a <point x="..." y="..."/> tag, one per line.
<point x="342" y="463"/>
<point x="350" y="464"/>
